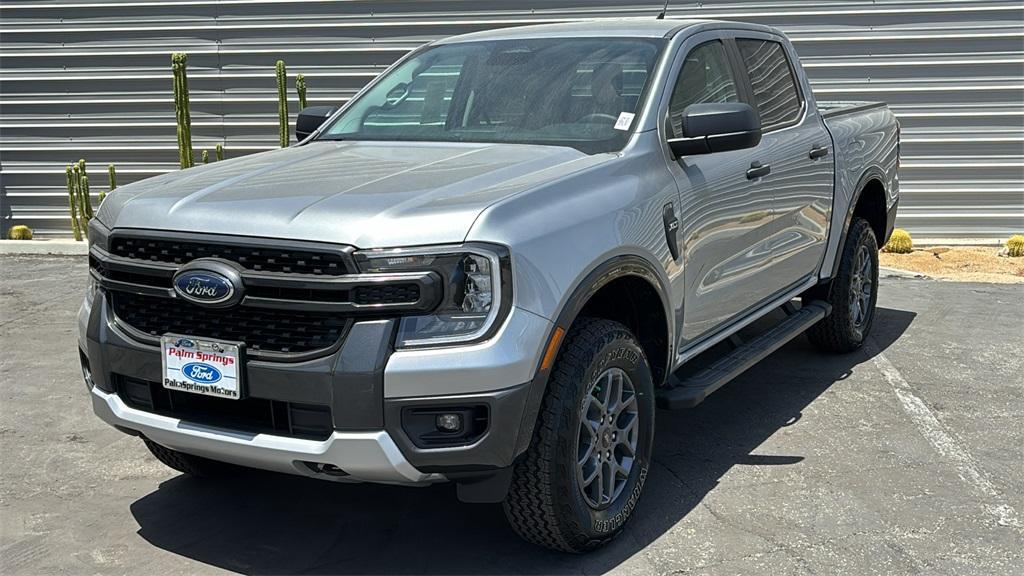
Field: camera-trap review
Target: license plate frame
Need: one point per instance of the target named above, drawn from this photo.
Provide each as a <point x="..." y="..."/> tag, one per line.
<point x="202" y="366"/>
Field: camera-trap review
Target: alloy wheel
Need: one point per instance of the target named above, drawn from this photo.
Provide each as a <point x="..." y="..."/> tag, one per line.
<point x="608" y="437"/>
<point x="861" y="287"/>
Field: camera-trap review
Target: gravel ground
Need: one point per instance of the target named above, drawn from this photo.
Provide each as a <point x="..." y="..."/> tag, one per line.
<point x="903" y="458"/>
<point x="960" y="264"/>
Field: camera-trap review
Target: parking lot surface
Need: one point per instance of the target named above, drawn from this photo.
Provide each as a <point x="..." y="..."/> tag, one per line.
<point x="904" y="458"/>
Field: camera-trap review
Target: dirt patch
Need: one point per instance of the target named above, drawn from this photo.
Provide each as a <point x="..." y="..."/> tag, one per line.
<point x="962" y="264"/>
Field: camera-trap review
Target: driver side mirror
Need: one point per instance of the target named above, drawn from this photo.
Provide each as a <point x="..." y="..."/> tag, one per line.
<point x="718" y="127"/>
<point x="310" y="119"/>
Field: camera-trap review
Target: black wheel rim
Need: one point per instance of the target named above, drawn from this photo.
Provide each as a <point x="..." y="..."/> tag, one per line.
<point x="862" y="287"/>
<point x="608" y="438"/>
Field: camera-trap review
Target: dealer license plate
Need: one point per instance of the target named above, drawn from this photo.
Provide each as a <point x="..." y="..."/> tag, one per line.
<point x="202" y="366"/>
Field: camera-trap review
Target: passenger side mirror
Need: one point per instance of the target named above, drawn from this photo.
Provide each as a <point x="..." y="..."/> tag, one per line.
<point x="719" y="127"/>
<point x="310" y="119"/>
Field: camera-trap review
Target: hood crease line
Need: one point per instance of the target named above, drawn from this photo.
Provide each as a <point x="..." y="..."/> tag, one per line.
<point x="382" y="178"/>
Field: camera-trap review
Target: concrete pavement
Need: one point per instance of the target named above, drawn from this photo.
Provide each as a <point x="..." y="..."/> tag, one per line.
<point x="903" y="458"/>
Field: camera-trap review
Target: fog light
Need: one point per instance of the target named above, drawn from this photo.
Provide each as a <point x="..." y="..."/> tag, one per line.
<point x="448" y="422"/>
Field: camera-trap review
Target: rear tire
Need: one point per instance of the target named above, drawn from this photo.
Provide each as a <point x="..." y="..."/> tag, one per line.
<point x="577" y="484"/>
<point x="187" y="463"/>
<point x="852" y="294"/>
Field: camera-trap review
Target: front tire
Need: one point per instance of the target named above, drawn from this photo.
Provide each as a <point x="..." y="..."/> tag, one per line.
<point x="853" y="294"/>
<point x="577" y="484"/>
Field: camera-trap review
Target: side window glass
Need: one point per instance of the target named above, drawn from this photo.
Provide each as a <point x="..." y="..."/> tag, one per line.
<point x="771" y="78"/>
<point x="706" y="78"/>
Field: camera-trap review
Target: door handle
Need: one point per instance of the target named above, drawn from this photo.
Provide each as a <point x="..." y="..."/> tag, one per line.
<point x="818" y="152"/>
<point x="758" y="170"/>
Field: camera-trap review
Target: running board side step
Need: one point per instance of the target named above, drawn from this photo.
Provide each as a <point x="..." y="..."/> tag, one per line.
<point x="694" y="389"/>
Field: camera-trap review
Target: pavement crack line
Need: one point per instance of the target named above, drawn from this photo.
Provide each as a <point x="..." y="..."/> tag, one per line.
<point x="944" y="443"/>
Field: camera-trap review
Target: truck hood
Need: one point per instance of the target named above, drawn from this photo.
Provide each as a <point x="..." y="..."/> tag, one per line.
<point x="367" y="194"/>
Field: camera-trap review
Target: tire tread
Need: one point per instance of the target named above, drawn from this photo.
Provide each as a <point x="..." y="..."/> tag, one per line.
<point x="834" y="332"/>
<point x="530" y="506"/>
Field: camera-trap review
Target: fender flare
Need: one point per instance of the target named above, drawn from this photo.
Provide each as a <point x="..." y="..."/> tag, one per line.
<point x="872" y="173"/>
<point x="612" y="269"/>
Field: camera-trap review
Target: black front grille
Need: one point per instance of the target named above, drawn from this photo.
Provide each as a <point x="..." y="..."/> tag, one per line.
<point x="127" y="276"/>
<point x="259" y="415"/>
<point x="262" y="330"/>
<point x="386" y="294"/>
<point x="256" y="258"/>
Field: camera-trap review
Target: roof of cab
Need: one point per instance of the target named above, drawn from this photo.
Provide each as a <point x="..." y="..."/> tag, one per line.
<point x="598" y="27"/>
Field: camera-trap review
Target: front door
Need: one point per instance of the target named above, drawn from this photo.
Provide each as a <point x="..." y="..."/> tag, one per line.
<point x="726" y="213"/>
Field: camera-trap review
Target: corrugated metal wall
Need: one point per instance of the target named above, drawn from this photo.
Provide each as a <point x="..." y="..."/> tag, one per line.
<point x="92" y="79"/>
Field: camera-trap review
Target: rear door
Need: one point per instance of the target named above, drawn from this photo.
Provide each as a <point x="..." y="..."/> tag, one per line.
<point x="800" y="157"/>
<point x="725" y="214"/>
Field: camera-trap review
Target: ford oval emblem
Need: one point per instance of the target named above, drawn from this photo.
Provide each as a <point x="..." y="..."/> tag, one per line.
<point x="203" y="287"/>
<point x="200" y="372"/>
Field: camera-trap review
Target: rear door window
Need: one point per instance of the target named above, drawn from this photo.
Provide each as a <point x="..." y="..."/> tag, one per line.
<point x="771" y="79"/>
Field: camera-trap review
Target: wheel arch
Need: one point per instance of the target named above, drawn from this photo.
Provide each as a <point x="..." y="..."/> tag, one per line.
<point x="868" y="202"/>
<point x="634" y="278"/>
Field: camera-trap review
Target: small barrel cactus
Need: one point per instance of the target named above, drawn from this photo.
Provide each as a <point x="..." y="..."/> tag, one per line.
<point x="219" y="152"/>
<point x="899" y="243"/>
<point x="206" y="156"/>
<point x="1015" y="246"/>
<point x="20" y="232"/>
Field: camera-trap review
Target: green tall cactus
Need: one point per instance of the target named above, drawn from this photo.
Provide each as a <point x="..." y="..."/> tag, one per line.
<point x="72" y="205"/>
<point x="81" y="200"/>
<point x="300" y="87"/>
<point x="113" y="183"/>
<point x="179" y="65"/>
<point x="282" y="103"/>
<point x="84" y="180"/>
<point x="219" y="152"/>
<point x="87" y="197"/>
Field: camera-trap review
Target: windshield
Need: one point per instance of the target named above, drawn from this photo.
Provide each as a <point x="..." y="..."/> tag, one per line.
<point x="579" y="92"/>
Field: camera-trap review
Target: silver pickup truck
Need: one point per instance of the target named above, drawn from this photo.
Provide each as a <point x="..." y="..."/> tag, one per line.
<point x="493" y="264"/>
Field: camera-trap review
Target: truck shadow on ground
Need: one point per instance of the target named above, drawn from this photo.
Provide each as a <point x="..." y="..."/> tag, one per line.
<point x="269" y="523"/>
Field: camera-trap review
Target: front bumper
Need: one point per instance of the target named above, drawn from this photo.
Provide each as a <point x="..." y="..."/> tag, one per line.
<point x="364" y="456"/>
<point x="367" y="386"/>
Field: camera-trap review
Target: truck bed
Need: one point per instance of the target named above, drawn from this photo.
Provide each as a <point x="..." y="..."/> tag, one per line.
<point x="863" y="134"/>
<point x="831" y="109"/>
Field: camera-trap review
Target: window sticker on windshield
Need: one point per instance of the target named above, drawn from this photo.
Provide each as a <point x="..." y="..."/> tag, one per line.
<point x="625" y="119"/>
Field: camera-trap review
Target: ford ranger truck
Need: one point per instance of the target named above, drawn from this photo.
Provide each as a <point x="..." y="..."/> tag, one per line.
<point x="492" y="265"/>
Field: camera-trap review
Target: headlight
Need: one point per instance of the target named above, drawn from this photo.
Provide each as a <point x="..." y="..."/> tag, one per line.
<point x="477" y="291"/>
<point x="98" y="234"/>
